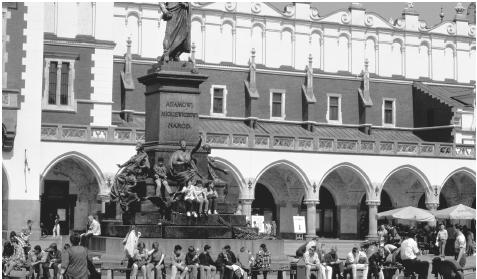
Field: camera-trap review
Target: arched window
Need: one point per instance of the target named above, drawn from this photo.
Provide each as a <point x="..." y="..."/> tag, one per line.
<point x="370" y="54"/>
<point x="257" y="43"/>
<point x="423" y="61"/>
<point x="395" y="64"/>
<point x="342" y="54"/>
<point x="196" y="38"/>
<point x="448" y="63"/>
<point x="132" y="28"/>
<point x="227" y="43"/>
<point x="316" y="49"/>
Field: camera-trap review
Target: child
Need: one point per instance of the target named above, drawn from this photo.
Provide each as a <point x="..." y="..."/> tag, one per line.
<point x="160" y="175"/>
<point x="189" y="198"/>
<point x="201" y="198"/>
<point x="211" y="197"/>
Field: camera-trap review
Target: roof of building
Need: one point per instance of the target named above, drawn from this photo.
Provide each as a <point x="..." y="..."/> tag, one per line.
<point x="452" y="96"/>
<point x="226" y="126"/>
<point x="291" y="130"/>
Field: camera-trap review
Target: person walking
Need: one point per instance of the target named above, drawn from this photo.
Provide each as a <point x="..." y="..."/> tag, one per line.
<point x="75" y="260"/>
<point x="442" y="240"/>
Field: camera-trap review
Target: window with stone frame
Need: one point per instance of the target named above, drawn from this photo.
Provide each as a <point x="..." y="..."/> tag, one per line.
<point x="218" y="106"/>
<point x="333" y="114"/>
<point x="389" y="112"/>
<point x="58" y="91"/>
<point x="277" y="104"/>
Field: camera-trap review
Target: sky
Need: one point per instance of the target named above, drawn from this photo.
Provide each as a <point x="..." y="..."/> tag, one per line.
<point x="428" y="11"/>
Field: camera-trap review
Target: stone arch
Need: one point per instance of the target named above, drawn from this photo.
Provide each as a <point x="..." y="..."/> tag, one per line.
<point x="234" y="192"/>
<point x="420" y="178"/>
<point x="459" y="187"/>
<point x="363" y="176"/>
<point x="317" y="31"/>
<point x="259" y="24"/>
<point x="228" y="21"/>
<point x="296" y="169"/>
<point x="133" y="13"/>
<point x="70" y="186"/>
<point x="83" y="158"/>
<point x="198" y="19"/>
<point x="465" y="170"/>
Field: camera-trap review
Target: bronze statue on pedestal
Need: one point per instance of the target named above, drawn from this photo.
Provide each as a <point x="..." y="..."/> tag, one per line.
<point x="177" y="39"/>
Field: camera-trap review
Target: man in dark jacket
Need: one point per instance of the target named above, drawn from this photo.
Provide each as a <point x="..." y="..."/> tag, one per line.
<point x="226" y="257"/>
<point x="192" y="262"/>
<point x="376" y="262"/>
<point x="207" y="265"/>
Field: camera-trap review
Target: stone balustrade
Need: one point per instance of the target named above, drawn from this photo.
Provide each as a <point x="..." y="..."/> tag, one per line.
<point x="121" y="135"/>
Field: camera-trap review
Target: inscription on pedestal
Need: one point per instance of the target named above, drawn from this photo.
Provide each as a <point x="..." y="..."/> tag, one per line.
<point x="178" y="118"/>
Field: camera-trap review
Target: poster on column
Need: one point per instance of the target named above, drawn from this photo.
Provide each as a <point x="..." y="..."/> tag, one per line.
<point x="258" y="222"/>
<point x="299" y="224"/>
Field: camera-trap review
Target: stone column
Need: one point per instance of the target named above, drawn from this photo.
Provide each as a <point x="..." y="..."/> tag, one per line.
<point x="373" y="221"/>
<point x="246" y="207"/>
<point x="311" y="218"/>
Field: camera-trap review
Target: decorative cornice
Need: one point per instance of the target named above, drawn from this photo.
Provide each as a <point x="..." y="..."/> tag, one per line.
<point x="79" y="41"/>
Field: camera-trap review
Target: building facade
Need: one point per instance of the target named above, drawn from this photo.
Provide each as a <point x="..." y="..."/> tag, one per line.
<point x="334" y="117"/>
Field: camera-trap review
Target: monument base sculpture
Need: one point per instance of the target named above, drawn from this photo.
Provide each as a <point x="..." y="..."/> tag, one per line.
<point x="151" y="193"/>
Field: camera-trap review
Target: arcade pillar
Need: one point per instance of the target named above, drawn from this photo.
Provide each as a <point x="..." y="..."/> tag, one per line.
<point x="373" y="221"/>
<point x="311" y="218"/>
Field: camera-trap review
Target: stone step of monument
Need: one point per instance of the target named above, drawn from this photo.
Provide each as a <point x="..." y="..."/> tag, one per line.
<point x="210" y="220"/>
<point x="197" y="232"/>
<point x="152" y="230"/>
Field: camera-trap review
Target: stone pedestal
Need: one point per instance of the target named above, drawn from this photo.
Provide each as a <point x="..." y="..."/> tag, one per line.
<point x="172" y="111"/>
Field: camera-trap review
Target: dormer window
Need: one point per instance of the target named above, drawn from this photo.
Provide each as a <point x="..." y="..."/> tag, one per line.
<point x="218" y="100"/>
<point x="333" y="115"/>
<point x="277" y="104"/>
<point x="389" y="112"/>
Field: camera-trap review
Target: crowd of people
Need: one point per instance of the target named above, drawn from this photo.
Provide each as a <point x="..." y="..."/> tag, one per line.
<point x="69" y="262"/>
<point x="53" y="261"/>
<point x="191" y="261"/>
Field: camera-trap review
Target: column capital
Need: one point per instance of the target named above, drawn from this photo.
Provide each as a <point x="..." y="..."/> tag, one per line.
<point x="104" y="197"/>
<point x="432" y="206"/>
<point x="246" y="201"/>
<point x="311" y="202"/>
<point x="373" y="203"/>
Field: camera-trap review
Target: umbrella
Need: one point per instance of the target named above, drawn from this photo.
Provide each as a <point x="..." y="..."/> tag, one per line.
<point x="456" y="212"/>
<point x="408" y="213"/>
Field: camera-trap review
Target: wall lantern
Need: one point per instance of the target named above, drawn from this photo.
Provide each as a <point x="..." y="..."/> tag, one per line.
<point x="436" y="191"/>
<point x="250" y="184"/>
<point x="314" y="187"/>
